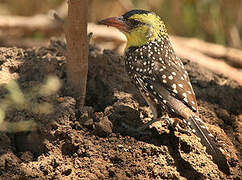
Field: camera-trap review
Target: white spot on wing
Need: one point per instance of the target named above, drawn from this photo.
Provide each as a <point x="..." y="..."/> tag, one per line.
<point x="194" y="108"/>
<point x="185" y="99"/>
<point x="156" y="101"/>
<point x="175" y="91"/>
<point x="170" y="77"/>
<point x="180" y="85"/>
<point x="210" y="135"/>
<point x="173" y="86"/>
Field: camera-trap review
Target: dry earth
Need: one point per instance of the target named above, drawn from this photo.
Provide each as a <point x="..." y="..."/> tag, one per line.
<point x="94" y="143"/>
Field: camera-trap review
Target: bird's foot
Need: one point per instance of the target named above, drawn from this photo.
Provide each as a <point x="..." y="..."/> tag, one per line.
<point x="174" y="124"/>
<point x="146" y="125"/>
<point x="137" y="131"/>
<point x="134" y="131"/>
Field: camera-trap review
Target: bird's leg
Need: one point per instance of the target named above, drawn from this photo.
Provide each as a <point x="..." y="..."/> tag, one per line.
<point x="146" y="125"/>
<point x="134" y="130"/>
<point x="172" y="122"/>
<point x="157" y="116"/>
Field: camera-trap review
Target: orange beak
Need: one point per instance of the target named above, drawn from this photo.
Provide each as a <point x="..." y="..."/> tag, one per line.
<point x="117" y="22"/>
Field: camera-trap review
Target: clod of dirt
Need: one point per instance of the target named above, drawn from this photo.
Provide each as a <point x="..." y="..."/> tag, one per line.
<point x="27" y="156"/>
<point x="103" y="127"/>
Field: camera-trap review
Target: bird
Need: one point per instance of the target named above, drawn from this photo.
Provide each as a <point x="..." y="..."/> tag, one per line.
<point x="160" y="76"/>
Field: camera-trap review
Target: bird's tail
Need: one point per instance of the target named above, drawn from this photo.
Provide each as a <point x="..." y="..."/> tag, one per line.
<point x="208" y="140"/>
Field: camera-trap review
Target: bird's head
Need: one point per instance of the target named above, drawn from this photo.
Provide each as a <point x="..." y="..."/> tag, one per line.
<point x="139" y="26"/>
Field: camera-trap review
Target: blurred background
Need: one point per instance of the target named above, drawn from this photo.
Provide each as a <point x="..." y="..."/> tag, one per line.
<point x="217" y="21"/>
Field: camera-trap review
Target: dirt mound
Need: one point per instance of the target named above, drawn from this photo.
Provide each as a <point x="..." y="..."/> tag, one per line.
<point x="94" y="143"/>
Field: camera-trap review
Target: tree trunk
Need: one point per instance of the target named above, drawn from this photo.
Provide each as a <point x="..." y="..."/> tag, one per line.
<point x="77" y="48"/>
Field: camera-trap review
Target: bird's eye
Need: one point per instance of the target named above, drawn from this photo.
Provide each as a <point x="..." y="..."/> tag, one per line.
<point x="133" y="22"/>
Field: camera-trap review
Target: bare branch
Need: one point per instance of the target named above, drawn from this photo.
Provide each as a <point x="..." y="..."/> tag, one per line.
<point x="213" y="64"/>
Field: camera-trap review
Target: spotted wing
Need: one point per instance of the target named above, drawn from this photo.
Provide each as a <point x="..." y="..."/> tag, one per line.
<point x="176" y="80"/>
<point x="156" y="64"/>
<point x="174" y="76"/>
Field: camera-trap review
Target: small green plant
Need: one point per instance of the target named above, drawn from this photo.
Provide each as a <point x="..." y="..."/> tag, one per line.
<point x="26" y="101"/>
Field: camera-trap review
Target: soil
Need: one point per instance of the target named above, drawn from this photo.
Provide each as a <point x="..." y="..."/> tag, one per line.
<point x="94" y="143"/>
